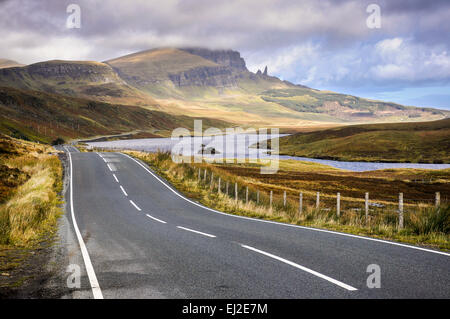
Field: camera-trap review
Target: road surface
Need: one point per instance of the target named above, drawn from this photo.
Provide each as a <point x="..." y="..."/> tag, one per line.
<point x="140" y="238"/>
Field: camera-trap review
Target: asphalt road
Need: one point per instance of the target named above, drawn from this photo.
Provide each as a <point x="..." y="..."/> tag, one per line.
<point x="139" y="238"/>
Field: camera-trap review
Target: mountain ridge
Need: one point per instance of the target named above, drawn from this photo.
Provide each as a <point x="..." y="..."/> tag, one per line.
<point x="204" y="82"/>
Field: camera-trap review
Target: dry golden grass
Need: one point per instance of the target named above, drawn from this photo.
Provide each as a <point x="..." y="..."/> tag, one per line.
<point x="33" y="208"/>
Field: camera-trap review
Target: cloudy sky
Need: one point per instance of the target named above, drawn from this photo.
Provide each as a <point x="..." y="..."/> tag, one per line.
<point x="323" y="44"/>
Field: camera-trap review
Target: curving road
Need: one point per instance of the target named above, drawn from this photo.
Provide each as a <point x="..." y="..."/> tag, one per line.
<point x="139" y="238"/>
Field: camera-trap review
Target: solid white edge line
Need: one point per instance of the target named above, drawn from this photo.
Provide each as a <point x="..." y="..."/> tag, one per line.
<point x="123" y="190"/>
<point x="136" y="206"/>
<point x="109" y="167"/>
<point x="97" y="292"/>
<point x="288" y="225"/>
<point x="197" y="232"/>
<point x="315" y="273"/>
<point x="158" y="220"/>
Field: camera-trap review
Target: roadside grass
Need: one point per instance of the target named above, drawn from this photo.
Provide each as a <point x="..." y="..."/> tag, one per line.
<point x="424" y="224"/>
<point x="32" y="208"/>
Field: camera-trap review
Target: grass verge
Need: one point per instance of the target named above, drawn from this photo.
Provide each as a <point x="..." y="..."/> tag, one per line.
<point x="29" y="208"/>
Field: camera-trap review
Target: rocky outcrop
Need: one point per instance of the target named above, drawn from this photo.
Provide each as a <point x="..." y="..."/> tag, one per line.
<point x="205" y="76"/>
<point x="83" y="71"/>
<point x="227" y="58"/>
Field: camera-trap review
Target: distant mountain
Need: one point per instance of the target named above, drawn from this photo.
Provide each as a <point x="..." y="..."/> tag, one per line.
<point x="5" y="63"/>
<point x="206" y="83"/>
<point x="171" y="72"/>
<point x="87" y="79"/>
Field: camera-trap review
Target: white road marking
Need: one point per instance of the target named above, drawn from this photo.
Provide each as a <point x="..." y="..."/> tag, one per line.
<point x="287" y="225"/>
<point x="104" y="160"/>
<point x="136" y="206"/>
<point x="115" y="177"/>
<point x="158" y="220"/>
<point x="315" y="273"/>
<point x="196" y="231"/>
<point x="112" y="167"/>
<point x="87" y="260"/>
<point x="123" y="190"/>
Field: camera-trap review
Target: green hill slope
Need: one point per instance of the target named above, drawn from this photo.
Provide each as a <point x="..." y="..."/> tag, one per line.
<point x="39" y="116"/>
<point x="427" y="142"/>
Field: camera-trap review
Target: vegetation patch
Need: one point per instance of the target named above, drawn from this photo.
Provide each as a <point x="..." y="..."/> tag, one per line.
<point x="423" y="142"/>
<point x="31" y="182"/>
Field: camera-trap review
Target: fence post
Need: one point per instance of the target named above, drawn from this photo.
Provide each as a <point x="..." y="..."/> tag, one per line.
<point x="284" y="199"/>
<point x="235" y="192"/>
<point x="204" y="176"/>
<point x="438" y="199"/>
<point x="338" y="204"/>
<point x="317" y="200"/>
<point x="270" y="201"/>
<point x="199" y="174"/>
<point x="300" y="203"/>
<point x="246" y="194"/>
<point x="218" y="187"/>
<point x="257" y="196"/>
<point x="400" y="210"/>
<point x="226" y="189"/>
<point x="212" y="180"/>
<point x="366" y="206"/>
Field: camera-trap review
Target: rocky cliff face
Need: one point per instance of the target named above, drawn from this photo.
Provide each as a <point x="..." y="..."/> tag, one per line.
<point x="99" y="73"/>
<point x="227" y="58"/>
<point x="205" y="76"/>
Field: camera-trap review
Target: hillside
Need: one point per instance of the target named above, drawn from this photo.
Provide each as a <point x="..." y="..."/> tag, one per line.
<point x="5" y="63"/>
<point x="206" y="83"/>
<point x="425" y="142"/>
<point x="86" y="79"/>
<point x="39" y="116"/>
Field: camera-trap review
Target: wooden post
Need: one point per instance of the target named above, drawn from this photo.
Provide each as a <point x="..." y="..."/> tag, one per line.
<point x="235" y="192"/>
<point x="270" y="202"/>
<point x="226" y="189"/>
<point x="317" y="200"/>
<point x="400" y="210"/>
<point x="246" y="194"/>
<point x="257" y="196"/>
<point x="218" y="187"/>
<point x="199" y="174"/>
<point x="338" y="204"/>
<point x="366" y="206"/>
<point x="212" y="180"/>
<point x="204" y="176"/>
<point x="300" y="203"/>
<point x="438" y="199"/>
<point x="284" y="199"/>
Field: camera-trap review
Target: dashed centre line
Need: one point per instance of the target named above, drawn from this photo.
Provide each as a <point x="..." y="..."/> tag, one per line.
<point x="315" y="273"/>
<point x="196" y="231"/>
<point x="154" y="218"/>
<point x="115" y="177"/>
<point x="123" y="190"/>
<point x="135" y="206"/>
